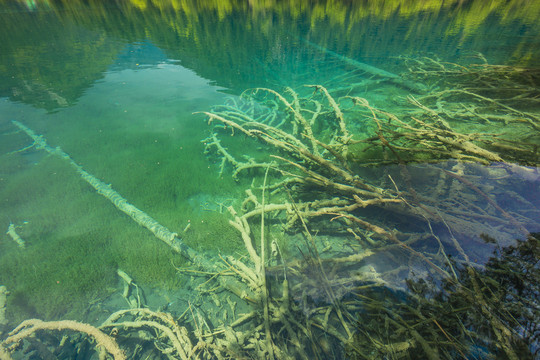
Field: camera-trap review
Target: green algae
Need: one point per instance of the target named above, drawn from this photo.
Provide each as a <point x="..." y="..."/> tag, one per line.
<point x="77" y="240"/>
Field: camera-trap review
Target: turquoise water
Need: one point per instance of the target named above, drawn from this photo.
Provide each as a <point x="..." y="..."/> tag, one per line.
<point x="121" y="88"/>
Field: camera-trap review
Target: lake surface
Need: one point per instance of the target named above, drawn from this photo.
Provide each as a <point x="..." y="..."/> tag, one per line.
<point x="140" y="142"/>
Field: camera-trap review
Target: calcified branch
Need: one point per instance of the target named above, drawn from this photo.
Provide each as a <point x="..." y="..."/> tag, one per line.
<point x="346" y="136"/>
<point x="12" y="232"/>
<point x="519" y="116"/>
<point x="241" y="224"/>
<point x="226" y="157"/>
<point x="279" y="311"/>
<point x="29" y="327"/>
<point x="313" y="147"/>
<point x="160" y="322"/>
<point x="297" y="149"/>
<point x="213" y="141"/>
<point x="489" y="92"/>
<point x="317" y="170"/>
<point x="437" y="138"/>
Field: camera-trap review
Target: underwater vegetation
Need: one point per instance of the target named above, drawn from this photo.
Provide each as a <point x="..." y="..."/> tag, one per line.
<point x="373" y="229"/>
<point x="476" y="305"/>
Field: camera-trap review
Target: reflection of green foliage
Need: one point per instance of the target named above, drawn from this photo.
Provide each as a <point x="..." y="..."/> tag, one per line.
<point x="340" y="11"/>
<point x="460" y="321"/>
<point x="53" y="59"/>
<point x="55" y="54"/>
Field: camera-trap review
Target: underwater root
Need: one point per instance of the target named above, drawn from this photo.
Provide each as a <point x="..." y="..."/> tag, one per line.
<point x="154" y="326"/>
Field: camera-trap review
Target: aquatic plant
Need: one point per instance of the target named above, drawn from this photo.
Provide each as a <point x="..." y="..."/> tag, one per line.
<point x="461" y="316"/>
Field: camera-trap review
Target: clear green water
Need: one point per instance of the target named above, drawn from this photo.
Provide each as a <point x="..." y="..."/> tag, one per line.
<point x="116" y="86"/>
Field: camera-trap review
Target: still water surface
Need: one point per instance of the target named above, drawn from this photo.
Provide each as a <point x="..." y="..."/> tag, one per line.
<point x="121" y="86"/>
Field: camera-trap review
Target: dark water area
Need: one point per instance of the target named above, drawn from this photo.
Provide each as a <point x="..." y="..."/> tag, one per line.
<point x="393" y="148"/>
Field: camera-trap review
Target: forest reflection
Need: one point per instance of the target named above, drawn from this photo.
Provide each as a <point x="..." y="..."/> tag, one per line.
<point x="255" y="41"/>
